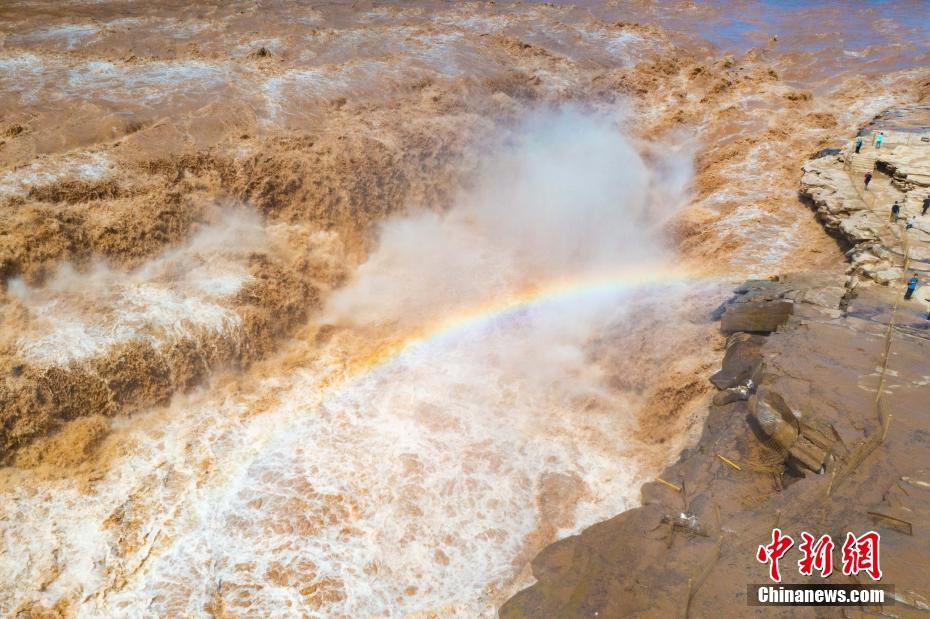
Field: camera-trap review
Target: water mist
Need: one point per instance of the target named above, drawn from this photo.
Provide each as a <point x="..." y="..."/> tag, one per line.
<point x="422" y="480"/>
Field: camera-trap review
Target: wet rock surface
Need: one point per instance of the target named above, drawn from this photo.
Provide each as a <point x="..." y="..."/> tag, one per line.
<point x="756" y="315"/>
<point x="796" y="438"/>
<point x="799" y="443"/>
<point x="740" y="362"/>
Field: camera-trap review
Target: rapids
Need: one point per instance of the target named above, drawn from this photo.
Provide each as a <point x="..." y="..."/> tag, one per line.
<point x="349" y="311"/>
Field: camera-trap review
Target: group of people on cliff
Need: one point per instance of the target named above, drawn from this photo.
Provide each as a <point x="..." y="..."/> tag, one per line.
<point x="879" y="138"/>
<point x="910" y="222"/>
<point x="896" y="211"/>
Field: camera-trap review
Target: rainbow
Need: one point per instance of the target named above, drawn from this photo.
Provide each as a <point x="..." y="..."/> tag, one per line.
<point x="476" y="317"/>
<point x="554" y="291"/>
<point x="224" y="487"/>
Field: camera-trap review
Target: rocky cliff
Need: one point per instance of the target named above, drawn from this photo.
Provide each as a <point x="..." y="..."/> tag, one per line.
<point x="819" y="424"/>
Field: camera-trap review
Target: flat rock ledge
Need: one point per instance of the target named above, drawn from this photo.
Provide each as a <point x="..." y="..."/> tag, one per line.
<point x="794" y="438"/>
<point x="861" y="218"/>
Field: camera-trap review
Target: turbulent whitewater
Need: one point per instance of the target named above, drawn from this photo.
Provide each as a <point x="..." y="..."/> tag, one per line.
<point x="416" y="479"/>
<point x="351" y="310"/>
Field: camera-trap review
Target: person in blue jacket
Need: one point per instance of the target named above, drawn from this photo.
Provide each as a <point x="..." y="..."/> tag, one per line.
<point x="911" y="285"/>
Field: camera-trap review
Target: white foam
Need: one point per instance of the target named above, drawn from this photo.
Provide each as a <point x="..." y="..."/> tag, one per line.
<point x="76" y="315"/>
<point x="184" y="29"/>
<point x="124" y="22"/>
<point x="473" y="23"/>
<point x="150" y="82"/>
<point x="23" y="74"/>
<point x="86" y="166"/>
<point x="625" y="46"/>
<point x="410" y="488"/>
<point x="284" y="94"/>
<point x="71" y="35"/>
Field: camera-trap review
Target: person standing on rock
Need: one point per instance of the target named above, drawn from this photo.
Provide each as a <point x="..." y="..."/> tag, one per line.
<point x="911" y="285"/>
<point x="910" y="223"/>
<point x="858" y="143"/>
<point x="926" y="205"/>
<point x="868" y="179"/>
<point x="879" y="139"/>
<point x="895" y="209"/>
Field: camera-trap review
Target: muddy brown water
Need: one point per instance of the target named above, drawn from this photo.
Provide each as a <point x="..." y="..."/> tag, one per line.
<point x="203" y="189"/>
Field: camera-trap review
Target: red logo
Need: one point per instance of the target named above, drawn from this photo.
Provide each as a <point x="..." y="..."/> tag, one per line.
<point x="773" y="552"/>
<point x="817" y="555"/>
<point x="860" y="554"/>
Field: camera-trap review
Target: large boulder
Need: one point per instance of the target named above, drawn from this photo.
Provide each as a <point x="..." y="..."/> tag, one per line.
<point x="804" y="441"/>
<point x="728" y="396"/>
<point x="740" y="360"/>
<point x="756" y="316"/>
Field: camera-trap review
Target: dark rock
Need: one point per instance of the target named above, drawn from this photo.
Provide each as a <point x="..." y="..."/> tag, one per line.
<point x="813" y="445"/>
<point x="739" y="361"/>
<point x="261" y="52"/>
<point x="827" y="152"/>
<point x="808" y="454"/>
<point x="817" y="433"/>
<point x="829" y="297"/>
<point x="807" y="442"/>
<point x="729" y="396"/>
<point x="756" y="286"/>
<point x="717" y="314"/>
<point x="758" y="370"/>
<point x="763" y="316"/>
<point x="819" y="289"/>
